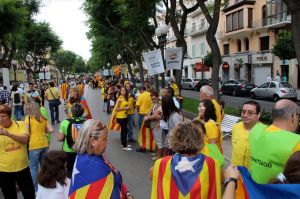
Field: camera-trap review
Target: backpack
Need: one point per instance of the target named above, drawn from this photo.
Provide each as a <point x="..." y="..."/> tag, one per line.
<point x="72" y="130"/>
<point x="17" y="98"/>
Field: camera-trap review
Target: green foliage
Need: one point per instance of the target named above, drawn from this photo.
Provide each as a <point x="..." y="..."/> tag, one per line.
<point x="64" y="60"/>
<point x="79" y="65"/>
<point x="284" y="47"/>
<point x="208" y="59"/>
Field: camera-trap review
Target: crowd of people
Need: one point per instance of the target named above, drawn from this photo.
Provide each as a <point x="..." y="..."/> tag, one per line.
<point x="188" y="154"/>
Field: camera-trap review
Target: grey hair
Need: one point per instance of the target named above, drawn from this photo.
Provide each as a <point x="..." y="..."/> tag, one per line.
<point x="86" y="132"/>
<point x="207" y="90"/>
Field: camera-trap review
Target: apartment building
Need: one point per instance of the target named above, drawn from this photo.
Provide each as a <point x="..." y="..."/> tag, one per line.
<point x="247" y="33"/>
<point x="197" y="47"/>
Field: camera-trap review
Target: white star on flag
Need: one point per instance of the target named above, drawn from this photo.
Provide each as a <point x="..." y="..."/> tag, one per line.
<point x="185" y="165"/>
<point x="75" y="171"/>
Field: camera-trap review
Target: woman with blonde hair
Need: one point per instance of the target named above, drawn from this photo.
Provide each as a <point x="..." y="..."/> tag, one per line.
<point x="38" y="128"/>
<point x="76" y="97"/>
<point x="91" y="168"/>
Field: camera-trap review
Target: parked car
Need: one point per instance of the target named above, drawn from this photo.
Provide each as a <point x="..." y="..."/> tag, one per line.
<point x="237" y="87"/>
<point x="274" y="90"/>
<point x="201" y="83"/>
<point x="189" y="83"/>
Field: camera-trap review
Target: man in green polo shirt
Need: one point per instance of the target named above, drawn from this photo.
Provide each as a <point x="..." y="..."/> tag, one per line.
<point x="69" y="129"/>
<point x="271" y="146"/>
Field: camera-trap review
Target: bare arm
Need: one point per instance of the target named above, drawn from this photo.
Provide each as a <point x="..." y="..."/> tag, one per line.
<point x="23" y="139"/>
<point x="60" y="137"/>
<point x="231" y="172"/>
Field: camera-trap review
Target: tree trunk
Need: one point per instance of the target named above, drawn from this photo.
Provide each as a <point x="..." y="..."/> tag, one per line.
<point x="140" y="65"/>
<point x="294" y="7"/>
<point x="131" y="74"/>
<point x="180" y="43"/>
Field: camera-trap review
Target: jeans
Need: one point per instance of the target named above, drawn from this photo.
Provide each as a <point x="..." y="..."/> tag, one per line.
<point x="140" y="120"/>
<point x="23" y="179"/>
<point x="54" y="109"/>
<point x="35" y="158"/>
<point x="18" y="112"/>
<point x="130" y="126"/>
<point x="124" y="130"/>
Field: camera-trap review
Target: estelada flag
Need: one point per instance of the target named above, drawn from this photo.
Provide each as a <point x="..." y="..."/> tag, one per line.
<point x="145" y="138"/>
<point x="249" y="189"/>
<point x="186" y="177"/>
<point x="93" y="178"/>
<point x="83" y="102"/>
<point x="113" y="123"/>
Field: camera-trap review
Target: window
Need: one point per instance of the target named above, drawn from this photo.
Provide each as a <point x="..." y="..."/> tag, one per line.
<point x="202" y="49"/>
<point x="264" y="15"/>
<point x="246" y="44"/>
<point x="265" y="85"/>
<point x="250" y="18"/>
<point x="193" y="51"/>
<point x="193" y="27"/>
<point x="235" y="21"/>
<point x="202" y="23"/>
<point x="264" y="43"/>
<point x="272" y="85"/>
<point x="226" y="49"/>
<point x="239" y="45"/>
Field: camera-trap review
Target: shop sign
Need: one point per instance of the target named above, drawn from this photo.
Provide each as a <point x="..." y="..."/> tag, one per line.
<point x="225" y="66"/>
<point x="199" y="65"/>
<point x="265" y="58"/>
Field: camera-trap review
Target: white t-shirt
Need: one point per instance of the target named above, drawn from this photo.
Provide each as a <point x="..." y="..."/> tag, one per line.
<point x="60" y="192"/>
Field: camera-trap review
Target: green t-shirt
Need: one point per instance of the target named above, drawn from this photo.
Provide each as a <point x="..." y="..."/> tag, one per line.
<point x="64" y="129"/>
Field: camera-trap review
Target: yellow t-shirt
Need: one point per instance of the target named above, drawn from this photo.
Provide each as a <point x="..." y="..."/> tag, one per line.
<point x="240" y="146"/>
<point x="38" y="137"/>
<point x="144" y="102"/>
<point x="218" y="111"/>
<point x="131" y="101"/>
<point x="124" y="103"/>
<point x="54" y="91"/>
<point x="175" y="88"/>
<point x="212" y="132"/>
<point x="13" y="155"/>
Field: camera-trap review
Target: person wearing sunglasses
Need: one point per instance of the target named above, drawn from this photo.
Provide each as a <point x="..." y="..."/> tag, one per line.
<point x="93" y="176"/>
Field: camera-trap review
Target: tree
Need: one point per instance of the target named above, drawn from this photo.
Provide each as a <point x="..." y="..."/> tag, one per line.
<point x="79" y="65"/>
<point x="284" y="47"/>
<point x="213" y="20"/>
<point x="178" y="22"/>
<point x="294" y="7"/>
<point x="39" y="42"/>
<point x="64" y="60"/>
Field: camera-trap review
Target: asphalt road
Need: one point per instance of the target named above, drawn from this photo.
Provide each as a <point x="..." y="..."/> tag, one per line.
<point x="133" y="166"/>
<point x="232" y="101"/>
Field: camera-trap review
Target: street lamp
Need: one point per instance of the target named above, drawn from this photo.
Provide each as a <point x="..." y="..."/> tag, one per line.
<point x="119" y="58"/>
<point x="44" y="71"/>
<point x="14" y="64"/>
<point x="161" y="32"/>
<point x="57" y="75"/>
<point x="108" y="67"/>
<point x="63" y="73"/>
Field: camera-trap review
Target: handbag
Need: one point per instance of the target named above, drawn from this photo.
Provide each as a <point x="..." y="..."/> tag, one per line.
<point x="56" y="101"/>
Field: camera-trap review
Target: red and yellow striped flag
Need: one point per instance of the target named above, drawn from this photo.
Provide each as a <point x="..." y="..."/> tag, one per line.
<point x="117" y="71"/>
<point x="145" y="138"/>
<point x="113" y="123"/>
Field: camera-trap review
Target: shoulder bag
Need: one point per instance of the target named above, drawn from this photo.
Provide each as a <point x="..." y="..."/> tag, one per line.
<point x="56" y="101"/>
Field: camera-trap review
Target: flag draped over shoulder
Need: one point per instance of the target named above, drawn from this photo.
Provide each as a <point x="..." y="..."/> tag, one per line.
<point x="145" y="138"/>
<point x="83" y="102"/>
<point x="113" y="123"/>
<point x="92" y="178"/>
<point x="249" y="189"/>
<point x="186" y="177"/>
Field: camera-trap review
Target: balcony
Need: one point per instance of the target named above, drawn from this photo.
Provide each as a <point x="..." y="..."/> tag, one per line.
<point x="197" y="30"/>
<point x="237" y="4"/>
<point x="278" y="20"/>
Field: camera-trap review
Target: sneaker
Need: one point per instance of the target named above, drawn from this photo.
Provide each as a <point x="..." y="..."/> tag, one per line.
<point x="128" y="145"/>
<point x="132" y="140"/>
<point x="141" y="150"/>
<point x="127" y="149"/>
<point x="154" y="158"/>
<point x="57" y="121"/>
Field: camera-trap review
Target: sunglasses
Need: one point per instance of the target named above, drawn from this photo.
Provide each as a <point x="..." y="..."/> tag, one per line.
<point x="98" y="127"/>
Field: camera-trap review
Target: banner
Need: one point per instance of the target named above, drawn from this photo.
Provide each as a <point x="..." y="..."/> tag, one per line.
<point x="173" y="58"/>
<point x="154" y="62"/>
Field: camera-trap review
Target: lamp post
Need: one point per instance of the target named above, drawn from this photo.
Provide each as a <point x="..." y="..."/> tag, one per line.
<point x="44" y="71"/>
<point x="57" y="75"/>
<point x="203" y="64"/>
<point x="161" y="32"/>
<point x="119" y="58"/>
<point x="108" y="67"/>
<point x="63" y="73"/>
<point x="14" y="64"/>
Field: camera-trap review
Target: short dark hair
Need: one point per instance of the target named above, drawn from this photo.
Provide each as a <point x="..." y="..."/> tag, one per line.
<point x="51" y="84"/>
<point x="77" y="110"/>
<point x="53" y="169"/>
<point x="253" y="103"/>
<point x="30" y="84"/>
<point x="143" y="88"/>
<point x="4" y="109"/>
<point x="154" y="93"/>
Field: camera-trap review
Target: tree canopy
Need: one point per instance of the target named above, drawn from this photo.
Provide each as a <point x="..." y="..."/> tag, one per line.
<point x="284" y="47"/>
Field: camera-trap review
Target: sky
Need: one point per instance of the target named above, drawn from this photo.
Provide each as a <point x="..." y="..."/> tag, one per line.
<point x="68" y="21"/>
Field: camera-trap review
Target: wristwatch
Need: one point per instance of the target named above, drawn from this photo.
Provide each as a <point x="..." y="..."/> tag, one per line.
<point x="227" y="180"/>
